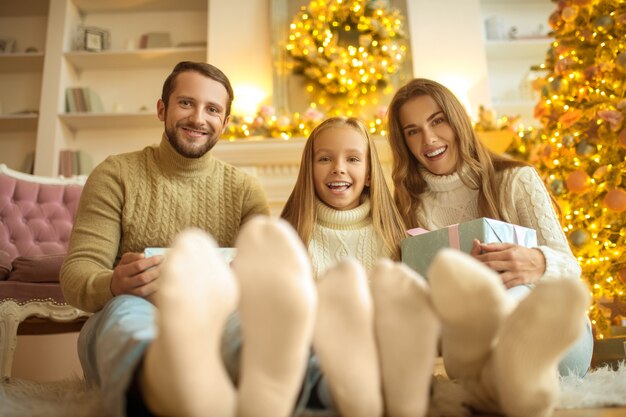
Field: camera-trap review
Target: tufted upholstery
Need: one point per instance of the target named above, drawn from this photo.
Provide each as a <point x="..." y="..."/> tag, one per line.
<point x="36" y="218"/>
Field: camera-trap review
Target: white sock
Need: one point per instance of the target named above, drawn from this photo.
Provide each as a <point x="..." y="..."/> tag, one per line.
<point x="407" y="331"/>
<point x="183" y="373"/>
<point x="532" y="341"/>
<point x="344" y="340"/>
<point x="472" y="303"/>
<point x="278" y="304"/>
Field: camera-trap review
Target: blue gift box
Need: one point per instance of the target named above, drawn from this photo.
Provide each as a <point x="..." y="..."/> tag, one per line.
<point x="420" y="249"/>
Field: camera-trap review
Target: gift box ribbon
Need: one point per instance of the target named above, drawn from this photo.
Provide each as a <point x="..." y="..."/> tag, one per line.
<point x="454" y="239"/>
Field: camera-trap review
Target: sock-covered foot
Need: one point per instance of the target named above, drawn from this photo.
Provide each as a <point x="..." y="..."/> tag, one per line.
<point x="472" y="303"/>
<point x="277" y="307"/>
<point x="183" y="373"/>
<point x="532" y="341"/>
<point x="344" y="340"/>
<point x="407" y="330"/>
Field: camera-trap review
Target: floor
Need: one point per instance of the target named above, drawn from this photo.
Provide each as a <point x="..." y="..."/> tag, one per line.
<point x="595" y="412"/>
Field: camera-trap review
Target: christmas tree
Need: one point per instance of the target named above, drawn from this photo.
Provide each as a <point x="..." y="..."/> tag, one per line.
<point x="581" y="148"/>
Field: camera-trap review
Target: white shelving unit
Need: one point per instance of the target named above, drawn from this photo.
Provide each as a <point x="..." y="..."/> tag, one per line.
<point x="18" y="122"/>
<point x="523" y="42"/>
<point x="21" y="73"/>
<point x="95" y="121"/>
<point x="137" y="59"/>
<point x="127" y="79"/>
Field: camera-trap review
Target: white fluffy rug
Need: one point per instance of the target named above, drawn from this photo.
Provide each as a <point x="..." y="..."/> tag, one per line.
<point x="602" y="387"/>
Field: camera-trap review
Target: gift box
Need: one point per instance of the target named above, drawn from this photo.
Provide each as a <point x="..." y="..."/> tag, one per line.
<point x="420" y="248"/>
<point x="228" y="254"/>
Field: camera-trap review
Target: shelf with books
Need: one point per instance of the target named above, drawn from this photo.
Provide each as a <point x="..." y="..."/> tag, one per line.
<point x="84" y="121"/>
<point x="138" y="58"/>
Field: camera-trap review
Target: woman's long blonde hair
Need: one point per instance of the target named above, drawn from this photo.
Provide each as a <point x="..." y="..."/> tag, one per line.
<point x="300" y="210"/>
<point x="484" y="167"/>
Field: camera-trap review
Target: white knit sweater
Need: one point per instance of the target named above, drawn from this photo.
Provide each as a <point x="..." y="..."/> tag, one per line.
<point x="526" y="203"/>
<point x="341" y="233"/>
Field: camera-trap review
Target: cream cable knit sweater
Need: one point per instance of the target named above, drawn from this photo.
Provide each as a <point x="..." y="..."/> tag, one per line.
<point x="526" y="203"/>
<point x="341" y="233"/>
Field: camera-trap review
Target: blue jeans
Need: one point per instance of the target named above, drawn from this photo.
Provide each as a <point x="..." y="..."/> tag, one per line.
<point x="113" y="341"/>
<point x="578" y="358"/>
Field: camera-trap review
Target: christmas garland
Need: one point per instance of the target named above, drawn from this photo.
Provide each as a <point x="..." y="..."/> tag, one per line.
<point x="347" y="47"/>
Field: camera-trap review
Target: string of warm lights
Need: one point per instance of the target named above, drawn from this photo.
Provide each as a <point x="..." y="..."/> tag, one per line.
<point x="347" y="49"/>
<point x="267" y="124"/>
<point x="581" y="148"/>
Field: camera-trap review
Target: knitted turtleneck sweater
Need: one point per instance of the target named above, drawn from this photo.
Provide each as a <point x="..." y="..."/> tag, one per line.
<point x="341" y="233"/>
<point x="143" y="199"/>
<point x="525" y="200"/>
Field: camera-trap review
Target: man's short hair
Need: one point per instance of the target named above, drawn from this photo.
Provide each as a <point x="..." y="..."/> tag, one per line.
<point x="203" y="68"/>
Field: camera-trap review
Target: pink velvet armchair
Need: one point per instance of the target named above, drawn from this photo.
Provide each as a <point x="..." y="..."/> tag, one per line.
<point x="36" y="217"/>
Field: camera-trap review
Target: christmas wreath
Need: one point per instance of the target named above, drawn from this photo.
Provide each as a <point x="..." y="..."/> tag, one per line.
<point x="347" y="47"/>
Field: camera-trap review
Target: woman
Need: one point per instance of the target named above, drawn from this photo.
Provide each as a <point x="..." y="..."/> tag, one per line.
<point x="444" y="175"/>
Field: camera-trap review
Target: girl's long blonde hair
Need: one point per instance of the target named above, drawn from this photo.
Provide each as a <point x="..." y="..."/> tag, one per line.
<point x="300" y="209"/>
<point x="484" y="167"/>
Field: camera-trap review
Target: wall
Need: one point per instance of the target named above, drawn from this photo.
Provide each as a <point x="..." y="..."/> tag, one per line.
<point x="447" y="35"/>
<point x="239" y="44"/>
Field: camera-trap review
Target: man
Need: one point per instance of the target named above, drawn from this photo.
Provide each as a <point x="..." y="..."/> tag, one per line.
<point x="143" y="199"/>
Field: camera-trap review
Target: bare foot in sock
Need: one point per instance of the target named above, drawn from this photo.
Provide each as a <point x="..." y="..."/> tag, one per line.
<point x="407" y="329"/>
<point x="278" y="304"/>
<point x="183" y="373"/>
<point x="344" y="340"/>
<point x="472" y="303"/>
<point x="531" y="343"/>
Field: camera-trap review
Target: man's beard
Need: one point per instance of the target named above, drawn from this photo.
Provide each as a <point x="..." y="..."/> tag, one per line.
<point x="181" y="149"/>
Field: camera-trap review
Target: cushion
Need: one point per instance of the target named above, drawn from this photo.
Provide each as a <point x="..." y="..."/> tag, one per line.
<point x="38" y="268"/>
<point x="5" y="265"/>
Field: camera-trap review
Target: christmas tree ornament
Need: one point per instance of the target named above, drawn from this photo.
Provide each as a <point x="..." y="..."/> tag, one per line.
<point x="555" y="21"/>
<point x="620" y="61"/>
<point x="599" y="173"/>
<point x="621" y="138"/>
<point x="558" y="85"/>
<point x="615" y="200"/>
<point x="557" y="187"/>
<point x="584" y="148"/>
<point x="613" y="117"/>
<point x="603" y="23"/>
<point x="569" y="13"/>
<point x="577" y="181"/>
<point x="578" y="237"/>
<point x="568" y="141"/>
<point x="570" y="117"/>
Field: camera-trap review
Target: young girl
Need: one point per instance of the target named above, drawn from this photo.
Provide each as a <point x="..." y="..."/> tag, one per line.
<point x="343" y="210"/>
<point x="341" y="204"/>
<point x="444" y="175"/>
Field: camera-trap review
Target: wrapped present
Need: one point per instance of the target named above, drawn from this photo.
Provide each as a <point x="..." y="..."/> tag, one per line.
<point x="420" y="248"/>
<point x="228" y="254"/>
